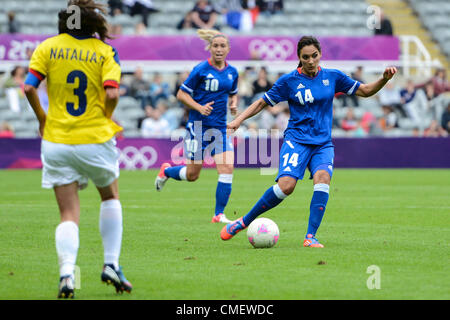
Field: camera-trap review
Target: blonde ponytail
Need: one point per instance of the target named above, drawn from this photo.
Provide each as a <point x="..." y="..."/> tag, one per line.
<point x="208" y="35"/>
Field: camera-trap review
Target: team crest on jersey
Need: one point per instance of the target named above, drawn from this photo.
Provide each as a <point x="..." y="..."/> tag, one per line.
<point x="300" y="86"/>
<point x="326" y="82"/>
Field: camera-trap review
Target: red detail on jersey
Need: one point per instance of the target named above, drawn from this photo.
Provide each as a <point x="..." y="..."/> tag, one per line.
<point x="110" y="84"/>
<point x="37" y="74"/>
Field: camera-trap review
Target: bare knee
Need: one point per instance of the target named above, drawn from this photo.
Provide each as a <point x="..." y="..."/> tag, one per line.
<point x="321" y="176"/>
<point x="192" y="176"/>
<point x="287" y="185"/>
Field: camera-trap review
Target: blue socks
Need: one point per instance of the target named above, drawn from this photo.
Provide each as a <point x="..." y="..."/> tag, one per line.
<point x="223" y="192"/>
<point x="317" y="207"/>
<point x="177" y="173"/>
<point x="270" y="199"/>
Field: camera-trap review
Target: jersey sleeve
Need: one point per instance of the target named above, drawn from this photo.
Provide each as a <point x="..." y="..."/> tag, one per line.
<point x="234" y="87"/>
<point x="111" y="72"/>
<point x="38" y="67"/>
<point x="190" y="83"/>
<point x="277" y="93"/>
<point x="345" y="84"/>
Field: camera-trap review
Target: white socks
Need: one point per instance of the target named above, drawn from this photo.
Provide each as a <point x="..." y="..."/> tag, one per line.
<point x="67" y="243"/>
<point x="111" y="230"/>
<point x="67" y="238"/>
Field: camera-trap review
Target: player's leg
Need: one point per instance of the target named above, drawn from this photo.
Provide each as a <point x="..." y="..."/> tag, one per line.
<point x="293" y="160"/>
<point x="67" y="236"/>
<point x="59" y="174"/>
<point x="225" y="165"/>
<point x="193" y="147"/>
<point x="111" y="229"/>
<point x="321" y="169"/>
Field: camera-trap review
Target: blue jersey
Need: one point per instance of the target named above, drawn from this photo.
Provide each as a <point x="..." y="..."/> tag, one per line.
<point x="207" y="83"/>
<point x="310" y="102"/>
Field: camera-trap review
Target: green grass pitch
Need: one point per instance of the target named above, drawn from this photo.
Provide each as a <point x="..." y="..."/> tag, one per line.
<point x="397" y="220"/>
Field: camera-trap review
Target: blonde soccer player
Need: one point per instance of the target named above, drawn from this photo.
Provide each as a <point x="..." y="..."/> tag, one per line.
<point x="83" y="74"/>
<point x="208" y="92"/>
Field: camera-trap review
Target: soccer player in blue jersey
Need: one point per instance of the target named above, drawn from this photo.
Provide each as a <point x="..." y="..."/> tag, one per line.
<point x="309" y="90"/>
<point x="208" y="92"/>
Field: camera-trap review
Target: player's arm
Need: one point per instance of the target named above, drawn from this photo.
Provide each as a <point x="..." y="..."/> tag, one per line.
<point x="251" y="111"/>
<point x="33" y="99"/>
<point x="189" y="102"/>
<point x="369" y="89"/>
<point x="233" y="104"/>
<point x="111" y="100"/>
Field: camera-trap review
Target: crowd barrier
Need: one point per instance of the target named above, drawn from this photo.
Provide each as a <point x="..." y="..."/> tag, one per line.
<point x="142" y="154"/>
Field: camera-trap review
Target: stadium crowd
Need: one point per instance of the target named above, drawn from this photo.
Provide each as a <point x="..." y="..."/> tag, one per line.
<point x="423" y="107"/>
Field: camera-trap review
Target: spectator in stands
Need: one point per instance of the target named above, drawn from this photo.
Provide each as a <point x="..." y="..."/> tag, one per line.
<point x="202" y="16"/>
<point x="282" y="119"/>
<point x="445" y="119"/>
<point x="116" y="30"/>
<point x="261" y="84"/>
<point x="124" y="89"/>
<point x="235" y="15"/>
<point x="390" y="96"/>
<point x="407" y="96"/>
<point x="139" y="88"/>
<point x="349" y="122"/>
<point x="6" y="130"/>
<point x="270" y="6"/>
<point x="115" y="7"/>
<point x="14" y="86"/>
<point x="389" y="120"/>
<point x="155" y="126"/>
<point x="245" y="86"/>
<point x="140" y="29"/>
<point x="385" y="26"/>
<point x="440" y="83"/>
<point x="13" y="24"/>
<point x="17" y="78"/>
<point x="435" y="130"/>
<point x="140" y="7"/>
<point x="159" y="89"/>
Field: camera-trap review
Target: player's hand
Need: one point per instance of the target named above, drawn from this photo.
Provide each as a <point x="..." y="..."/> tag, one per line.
<point x="233" y="110"/>
<point x="233" y="125"/>
<point x="206" y="109"/>
<point x="389" y="73"/>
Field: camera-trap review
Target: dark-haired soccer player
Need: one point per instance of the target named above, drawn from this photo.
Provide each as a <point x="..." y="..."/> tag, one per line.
<point x="83" y="74"/>
<point x="206" y="93"/>
<point x="309" y="90"/>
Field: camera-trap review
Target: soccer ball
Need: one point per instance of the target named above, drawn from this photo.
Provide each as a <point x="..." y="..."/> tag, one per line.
<point x="263" y="233"/>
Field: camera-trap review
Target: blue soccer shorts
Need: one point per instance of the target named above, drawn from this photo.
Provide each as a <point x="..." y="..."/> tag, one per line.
<point x="296" y="157"/>
<point x="201" y="141"/>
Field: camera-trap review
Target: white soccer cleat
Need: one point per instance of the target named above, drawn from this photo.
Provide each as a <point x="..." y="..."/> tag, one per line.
<point x="220" y="218"/>
<point x="161" y="178"/>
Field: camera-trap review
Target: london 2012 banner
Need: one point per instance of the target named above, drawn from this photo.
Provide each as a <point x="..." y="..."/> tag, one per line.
<point x="17" y="47"/>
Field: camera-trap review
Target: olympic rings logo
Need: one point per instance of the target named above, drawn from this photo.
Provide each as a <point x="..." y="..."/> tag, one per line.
<point x="131" y="157"/>
<point x="272" y="49"/>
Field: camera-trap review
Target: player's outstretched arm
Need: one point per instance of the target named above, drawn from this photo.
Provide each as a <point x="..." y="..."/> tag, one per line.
<point x="252" y="110"/>
<point x="369" y="89"/>
<point x="33" y="99"/>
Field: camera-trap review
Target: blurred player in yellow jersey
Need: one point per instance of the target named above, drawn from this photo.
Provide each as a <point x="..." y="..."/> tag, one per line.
<point x="78" y="135"/>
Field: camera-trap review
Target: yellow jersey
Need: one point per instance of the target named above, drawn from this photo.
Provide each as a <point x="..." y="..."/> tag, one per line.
<point x="77" y="72"/>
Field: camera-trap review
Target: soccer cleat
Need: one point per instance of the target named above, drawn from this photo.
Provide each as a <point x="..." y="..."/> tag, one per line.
<point x="161" y="178"/>
<point x="231" y="229"/>
<point x="220" y="218"/>
<point x="116" y="277"/>
<point x="312" y="242"/>
<point x="66" y="288"/>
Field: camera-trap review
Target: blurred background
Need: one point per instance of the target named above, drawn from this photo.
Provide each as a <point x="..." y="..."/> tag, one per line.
<point x="416" y="103"/>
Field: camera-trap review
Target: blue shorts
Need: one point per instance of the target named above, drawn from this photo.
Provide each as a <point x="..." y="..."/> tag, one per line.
<point x="202" y="141"/>
<point x="296" y="157"/>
